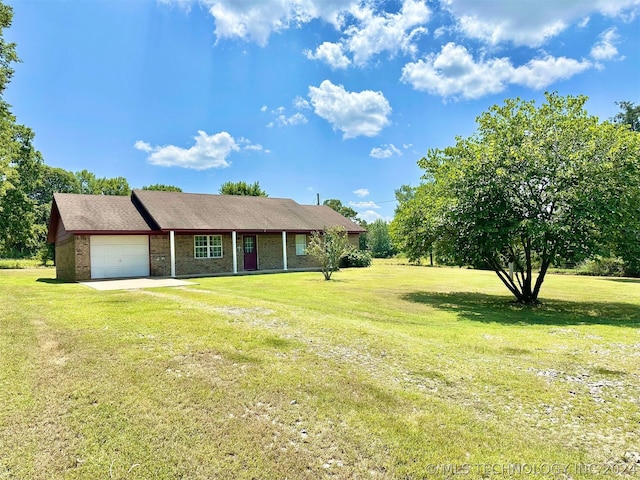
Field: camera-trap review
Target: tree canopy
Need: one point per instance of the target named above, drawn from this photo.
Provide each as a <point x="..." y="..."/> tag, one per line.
<point x="379" y="239"/>
<point x="343" y="210"/>
<point x="628" y="115"/>
<point x="416" y="225"/>
<point x="160" y="187"/>
<point x="92" y="185"/>
<point x="533" y="186"/>
<point x="20" y="162"/>
<point x="242" y="188"/>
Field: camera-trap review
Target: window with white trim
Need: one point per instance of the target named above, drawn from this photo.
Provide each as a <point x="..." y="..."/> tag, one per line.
<point x="207" y="246"/>
<point x="301" y="244"/>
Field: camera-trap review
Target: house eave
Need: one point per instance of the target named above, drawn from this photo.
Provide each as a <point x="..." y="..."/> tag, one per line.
<point x="201" y="231"/>
<point x="116" y="232"/>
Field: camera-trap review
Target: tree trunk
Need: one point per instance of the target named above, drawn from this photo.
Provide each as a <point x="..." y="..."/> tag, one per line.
<point x="524" y="293"/>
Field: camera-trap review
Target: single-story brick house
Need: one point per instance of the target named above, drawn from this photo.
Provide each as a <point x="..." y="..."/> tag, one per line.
<point x="174" y="234"/>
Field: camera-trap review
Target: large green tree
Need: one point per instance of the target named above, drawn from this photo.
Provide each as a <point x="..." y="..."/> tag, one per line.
<point x="624" y="239"/>
<point x="417" y="224"/>
<point x="379" y="239"/>
<point x="52" y="180"/>
<point x="343" y="210"/>
<point x="20" y="163"/>
<point x="242" y="188"/>
<point x="629" y="114"/>
<point x="533" y="186"/>
<point x="92" y="185"/>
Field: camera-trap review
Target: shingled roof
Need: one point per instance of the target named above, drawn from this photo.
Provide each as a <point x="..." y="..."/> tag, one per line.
<point x="95" y="213"/>
<point x="147" y="211"/>
<point x="192" y="212"/>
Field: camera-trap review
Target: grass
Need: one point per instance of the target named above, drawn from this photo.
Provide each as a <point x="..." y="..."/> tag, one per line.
<point x="389" y="372"/>
<point x="12" y="263"/>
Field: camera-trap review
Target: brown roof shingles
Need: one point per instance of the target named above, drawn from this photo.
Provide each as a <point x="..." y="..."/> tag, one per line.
<point x="146" y="211"/>
<point x="100" y="213"/>
<point x="190" y="211"/>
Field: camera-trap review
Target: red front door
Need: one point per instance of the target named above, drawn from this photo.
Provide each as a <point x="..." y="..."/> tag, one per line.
<point x="250" y="253"/>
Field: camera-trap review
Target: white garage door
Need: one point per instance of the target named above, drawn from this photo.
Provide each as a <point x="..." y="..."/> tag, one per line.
<point x="115" y="256"/>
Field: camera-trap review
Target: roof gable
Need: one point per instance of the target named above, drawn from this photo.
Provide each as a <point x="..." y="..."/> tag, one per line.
<point x="97" y="213"/>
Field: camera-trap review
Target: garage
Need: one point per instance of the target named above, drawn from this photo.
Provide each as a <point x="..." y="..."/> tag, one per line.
<point x="117" y="256"/>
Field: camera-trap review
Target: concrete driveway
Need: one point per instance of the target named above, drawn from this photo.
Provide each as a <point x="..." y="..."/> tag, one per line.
<point x="136" y="283"/>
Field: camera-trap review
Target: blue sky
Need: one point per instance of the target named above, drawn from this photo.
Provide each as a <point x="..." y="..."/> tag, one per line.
<point x="336" y="97"/>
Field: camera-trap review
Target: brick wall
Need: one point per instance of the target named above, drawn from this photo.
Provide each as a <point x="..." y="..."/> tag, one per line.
<point x="73" y="259"/>
<point x="159" y="256"/>
<point x="66" y="260"/>
<point x="270" y="252"/>
<point x="83" y="257"/>
<point x="298" y="261"/>
<point x="187" y="264"/>
<point x="354" y="239"/>
<point x="73" y="256"/>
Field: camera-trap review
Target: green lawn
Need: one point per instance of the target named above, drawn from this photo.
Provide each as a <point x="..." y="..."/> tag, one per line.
<point x="388" y="372"/>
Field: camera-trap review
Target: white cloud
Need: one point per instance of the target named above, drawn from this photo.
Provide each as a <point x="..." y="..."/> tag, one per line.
<point x="440" y="31"/>
<point x="256" y="148"/>
<point x="354" y="113"/>
<point x="284" y="121"/>
<point x="361" y="192"/>
<point x="184" y="4"/>
<point x="363" y="205"/>
<point x="330" y="53"/>
<point x="540" y="73"/>
<point x="209" y="151"/>
<point x="625" y="9"/>
<point x="367" y="29"/>
<point x="300" y="103"/>
<point x="263" y="108"/>
<point x="386" y="32"/>
<point x="255" y="20"/>
<point x="454" y="73"/>
<point x="529" y="22"/>
<point x="144" y="146"/>
<point x="606" y="49"/>
<point x="386" y="151"/>
<point x="370" y="216"/>
<point x="371" y="31"/>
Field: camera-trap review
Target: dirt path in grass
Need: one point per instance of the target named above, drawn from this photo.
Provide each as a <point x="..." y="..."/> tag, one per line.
<point x="589" y="389"/>
<point x="360" y="356"/>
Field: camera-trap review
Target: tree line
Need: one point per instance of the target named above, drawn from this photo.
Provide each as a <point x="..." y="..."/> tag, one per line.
<point x="25" y="200"/>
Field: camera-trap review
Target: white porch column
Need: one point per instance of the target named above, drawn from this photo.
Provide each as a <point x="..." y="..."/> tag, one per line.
<point x="234" y="247"/>
<point x="172" y="243"/>
<point x="284" y="250"/>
